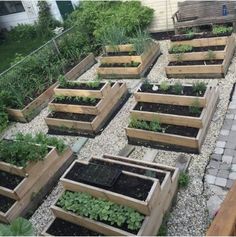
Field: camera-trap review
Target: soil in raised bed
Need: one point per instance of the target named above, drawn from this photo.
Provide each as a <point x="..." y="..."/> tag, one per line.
<point x="72" y="116"/>
<point x="124" y="65"/>
<point x="166" y="108"/>
<point x="8" y="180"/>
<point x="127" y="185"/>
<point x="177" y="130"/>
<point x="127" y="53"/>
<point x="187" y="90"/>
<point x="149" y="173"/>
<point x="202" y="49"/>
<point x="198" y="62"/>
<point x="5" y="203"/>
<point x="60" y="227"/>
<point x="73" y="101"/>
<point x="81" y="86"/>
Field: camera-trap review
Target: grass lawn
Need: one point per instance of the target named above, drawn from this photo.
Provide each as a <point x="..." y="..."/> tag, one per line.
<point x="9" y="49"/>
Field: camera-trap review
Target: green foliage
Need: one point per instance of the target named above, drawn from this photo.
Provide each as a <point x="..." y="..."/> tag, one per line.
<point x="177" y="88"/>
<point x="164" y="86"/>
<point x="62" y="81"/>
<point x="175" y="49"/>
<point x="3" y="113"/>
<point x="162" y="231"/>
<point x="183" y="180"/>
<point x="93" y="84"/>
<point x="18" y="227"/>
<point x="18" y="58"/>
<point x="221" y="30"/>
<point x="100" y="209"/>
<point x="146" y="85"/>
<point x="22" y="32"/>
<point x="195" y="107"/>
<point x="199" y="88"/>
<point x="210" y="55"/>
<point x="42" y="139"/>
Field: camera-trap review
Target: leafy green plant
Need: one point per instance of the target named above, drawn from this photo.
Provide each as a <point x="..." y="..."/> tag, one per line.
<point x="175" y="49"/>
<point x="210" y="55"/>
<point x="100" y="209"/>
<point x="183" y="180"/>
<point x="199" y="88"/>
<point x="146" y="85"/>
<point x="177" y="88"/>
<point x="195" y="107"/>
<point x="93" y="84"/>
<point x="18" y="58"/>
<point x="22" y="32"/>
<point x="221" y="30"/>
<point x="18" y="227"/>
<point x="164" y="86"/>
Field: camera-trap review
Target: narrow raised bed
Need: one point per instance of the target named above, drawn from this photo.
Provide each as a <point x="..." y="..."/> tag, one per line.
<point x="143" y="206"/>
<point x="110" y="103"/>
<point x="203" y="71"/>
<point x="145" y="60"/>
<point x="32" y="109"/>
<point x="175" y="141"/>
<point x="35" y="184"/>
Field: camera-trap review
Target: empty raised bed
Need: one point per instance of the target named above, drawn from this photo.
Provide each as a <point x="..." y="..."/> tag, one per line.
<point x="200" y="58"/>
<point x="32" y="106"/>
<point x="28" y="169"/>
<point x="145" y="192"/>
<point x="122" y="61"/>
<point x="172" y="116"/>
<point x="84" y="107"/>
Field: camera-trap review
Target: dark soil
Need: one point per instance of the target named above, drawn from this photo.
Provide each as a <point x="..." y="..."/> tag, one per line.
<point x="131" y="186"/>
<point x="149" y="173"/>
<point x="82" y="86"/>
<point x="166" y="108"/>
<point x="200" y="62"/>
<point x="73" y="101"/>
<point x="72" y="116"/>
<point x="179" y="130"/>
<point x="128" y="53"/>
<point x="203" y="49"/>
<point x="119" y="65"/>
<point x="94" y="174"/>
<point x="5" y="203"/>
<point x="8" y="180"/>
<point x="187" y="90"/>
<point x="60" y="227"/>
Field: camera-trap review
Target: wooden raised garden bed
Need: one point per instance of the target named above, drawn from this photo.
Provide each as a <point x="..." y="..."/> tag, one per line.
<point x="161" y="189"/>
<point x="120" y="66"/>
<point x="32" y="109"/>
<point x="21" y="183"/>
<point x="210" y="58"/>
<point x="180" y="128"/>
<point x="85" y="118"/>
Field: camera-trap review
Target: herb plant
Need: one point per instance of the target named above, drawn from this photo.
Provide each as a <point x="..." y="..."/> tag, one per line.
<point x="93" y="84"/>
<point x="183" y="180"/>
<point x="146" y="85"/>
<point x="221" y="30"/>
<point x="195" y="107"/>
<point x="100" y="209"/>
<point x="175" y="49"/>
<point x="164" y="86"/>
<point x="210" y="55"/>
<point x="199" y="88"/>
<point x="177" y="88"/>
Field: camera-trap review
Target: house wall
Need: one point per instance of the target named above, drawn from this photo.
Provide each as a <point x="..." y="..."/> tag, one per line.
<point x="31" y="14"/>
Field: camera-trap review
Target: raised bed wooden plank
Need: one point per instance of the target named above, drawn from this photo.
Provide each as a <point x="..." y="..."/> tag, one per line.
<point x="142" y="206"/>
<point x="224" y="223"/>
<point x="31" y="110"/>
<point x="85" y="93"/>
<point x="81" y="67"/>
<point x="171" y="99"/>
<point x="21" y="207"/>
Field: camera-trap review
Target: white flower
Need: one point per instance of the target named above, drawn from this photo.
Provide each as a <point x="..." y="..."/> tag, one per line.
<point x="155" y="88"/>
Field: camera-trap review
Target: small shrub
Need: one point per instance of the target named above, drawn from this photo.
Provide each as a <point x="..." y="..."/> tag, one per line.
<point x="22" y="32"/>
<point x="93" y="84"/>
<point x="146" y="85"/>
<point x="195" y="108"/>
<point x="199" y="88"/>
<point x="183" y="180"/>
<point x="164" y="86"/>
<point x="180" y="49"/>
<point x="177" y="88"/>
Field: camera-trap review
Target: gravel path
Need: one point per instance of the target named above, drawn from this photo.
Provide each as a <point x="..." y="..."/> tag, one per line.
<point x="189" y="215"/>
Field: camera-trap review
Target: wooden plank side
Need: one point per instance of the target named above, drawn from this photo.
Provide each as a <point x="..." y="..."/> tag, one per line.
<point x="162" y="137"/>
<point x="225" y="221"/>
<point x="8" y="193"/>
<point x="229" y="53"/>
<point x="120" y="59"/>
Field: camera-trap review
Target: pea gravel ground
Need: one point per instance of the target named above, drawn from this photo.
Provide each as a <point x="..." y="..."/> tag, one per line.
<point x="189" y="214"/>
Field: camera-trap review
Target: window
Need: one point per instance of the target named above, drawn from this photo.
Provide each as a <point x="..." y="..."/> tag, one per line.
<point x="10" y="7"/>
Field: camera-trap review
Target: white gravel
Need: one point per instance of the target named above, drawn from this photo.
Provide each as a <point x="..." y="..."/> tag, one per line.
<point x="189" y="214"/>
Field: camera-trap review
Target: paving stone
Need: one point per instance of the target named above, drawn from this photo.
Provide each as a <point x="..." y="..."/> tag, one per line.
<point x="150" y="155"/>
<point x="79" y="144"/>
<point x="230" y="116"/>
<point x="214" y="164"/>
<point x="222" y="138"/>
<point x="216" y="157"/>
<point x="212" y="171"/>
<point x="220" y="181"/>
<point x="232" y="106"/>
<point x="233" y="111"/>
<point x="227" y="124"/>
<point x="223" y="174"/>
<point x="224" y="132"/>
<point x="218" y="190"/>
<point x="213" y="205"/>
<point x="210" y="179"/>
<point x="230" y="144"/>
<point x="224" y="166"/>
<point x="227" y="159"/>
<point x="233" y="128"/>
<point x="220" y="144"/>
<point x="232" y="175"/>
<point x="126" y="150"/>
<point x="229" y="183"/>
<point x="219" y="150"/>
<point x="233" y="167"/>
<point x="232" y="136"/>
<point x="234" y="117"/>
<point x="234" y="160"/>
<point x="228" y="152"/>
